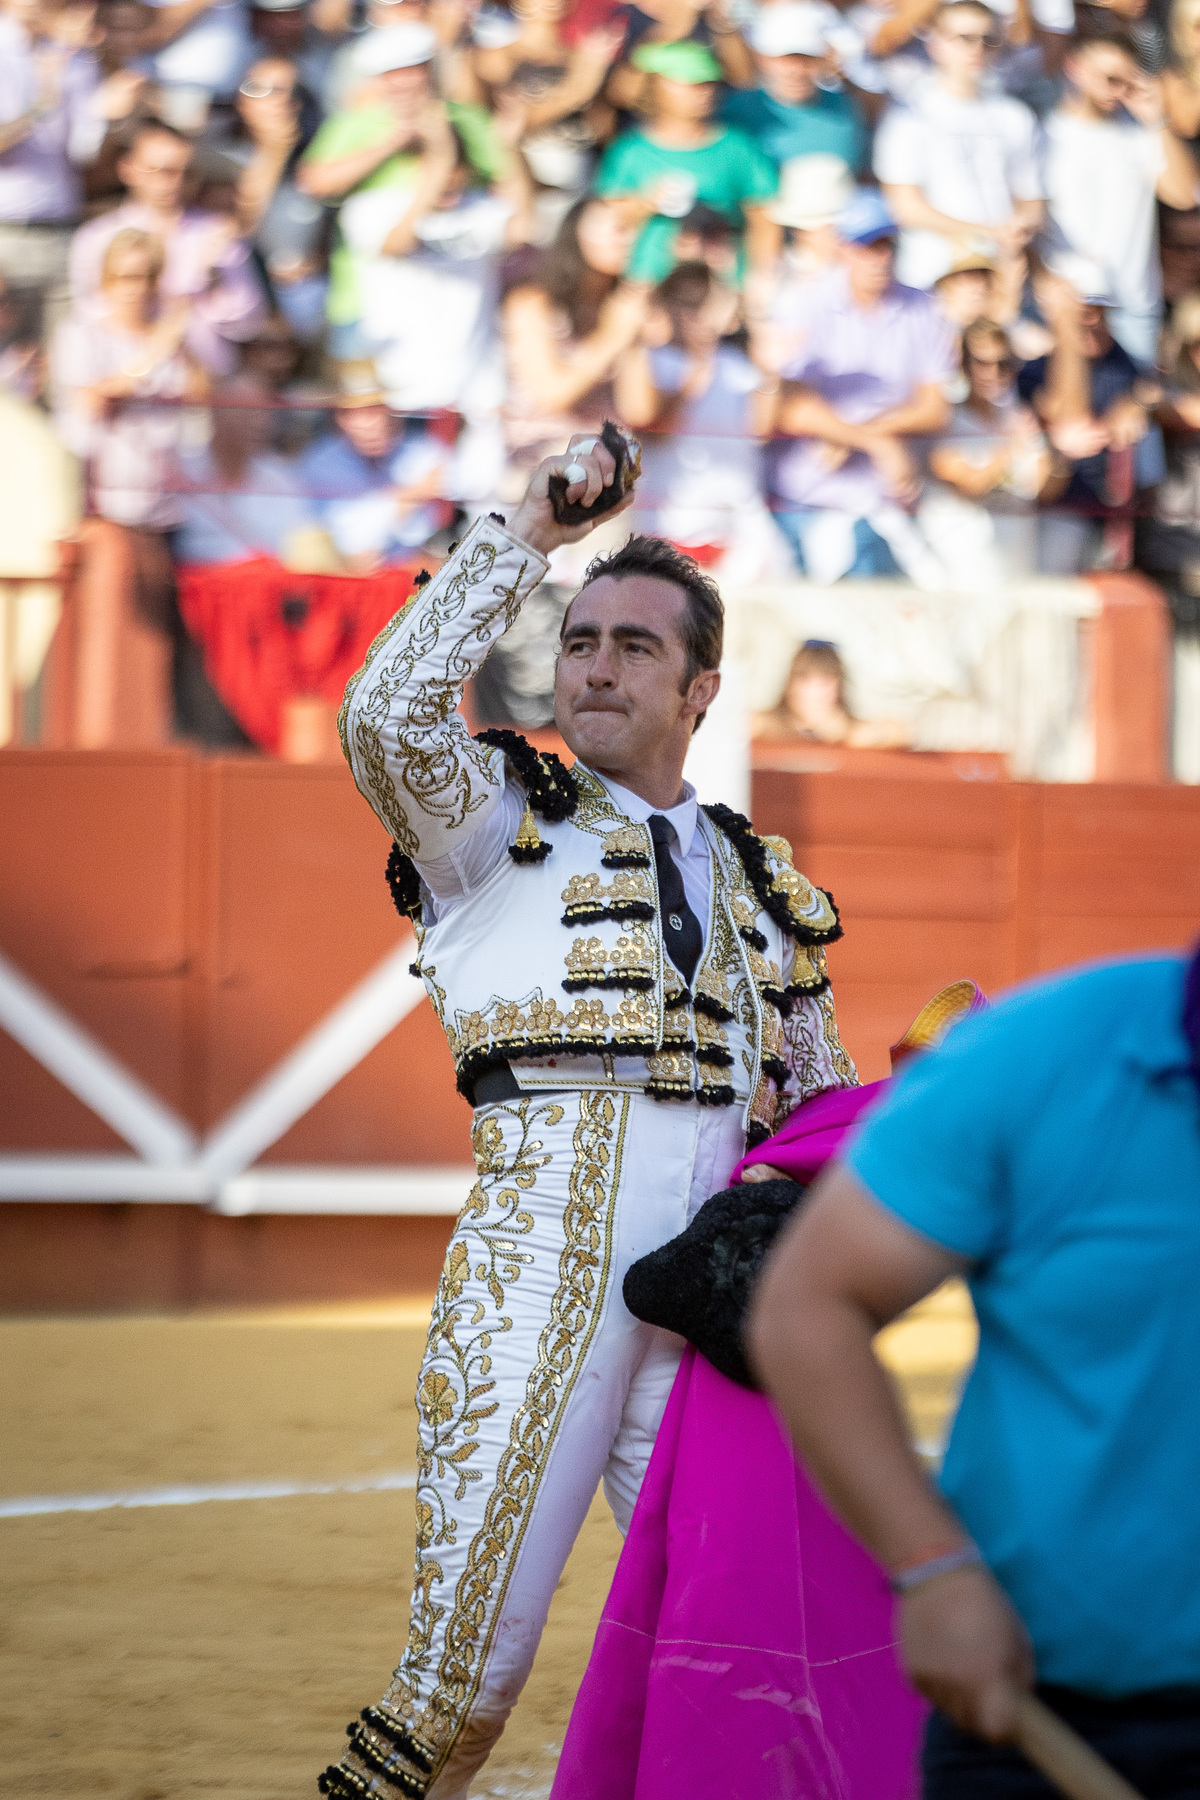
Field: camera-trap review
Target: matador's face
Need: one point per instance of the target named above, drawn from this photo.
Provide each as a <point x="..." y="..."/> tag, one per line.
<point x="622" y="699"/>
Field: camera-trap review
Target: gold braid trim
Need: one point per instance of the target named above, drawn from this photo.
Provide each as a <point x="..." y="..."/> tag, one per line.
<point x="440" y="767"/>
<point x="583" y="1271"/>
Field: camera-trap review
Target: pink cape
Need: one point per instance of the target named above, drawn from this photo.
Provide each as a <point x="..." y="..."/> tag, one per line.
<point x="813" y="1134"/>
<point x="746" y="1649"/>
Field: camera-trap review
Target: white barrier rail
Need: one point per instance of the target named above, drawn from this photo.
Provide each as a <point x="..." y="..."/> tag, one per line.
<point x="173" y="1165"/>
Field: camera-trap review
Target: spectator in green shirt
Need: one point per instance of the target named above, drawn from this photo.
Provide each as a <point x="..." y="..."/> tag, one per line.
<point x="682" y="157"/>
<point x="378" y="141"/>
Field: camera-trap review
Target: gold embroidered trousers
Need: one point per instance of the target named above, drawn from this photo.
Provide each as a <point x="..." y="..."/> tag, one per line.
<point x="537" y="1384"/>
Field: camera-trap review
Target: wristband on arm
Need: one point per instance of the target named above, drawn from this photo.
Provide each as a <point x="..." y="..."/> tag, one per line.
<point x="940" y="1559"/>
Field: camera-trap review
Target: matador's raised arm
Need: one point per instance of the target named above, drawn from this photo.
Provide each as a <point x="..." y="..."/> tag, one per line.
<point x="409" y="750"/>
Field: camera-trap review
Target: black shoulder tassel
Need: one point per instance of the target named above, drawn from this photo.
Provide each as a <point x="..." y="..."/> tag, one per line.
<point x="550" y="789"/>
<point x="753" y="852"/>
<point x="404" y="882"/>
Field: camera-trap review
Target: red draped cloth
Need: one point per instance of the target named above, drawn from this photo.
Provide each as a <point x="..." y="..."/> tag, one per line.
<point x="270" y="636"/>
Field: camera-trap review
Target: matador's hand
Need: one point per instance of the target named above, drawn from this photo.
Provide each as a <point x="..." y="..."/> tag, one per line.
<point x="534" y="519"/>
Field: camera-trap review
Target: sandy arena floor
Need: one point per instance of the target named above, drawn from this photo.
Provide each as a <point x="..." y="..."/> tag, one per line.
<point x="176" y="1652"/>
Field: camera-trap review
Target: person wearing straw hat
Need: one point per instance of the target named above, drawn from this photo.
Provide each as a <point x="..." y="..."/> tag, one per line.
<point x="1049" y="1153"/>
<point x="375" y="481"/>
<point x="812" y="192"/>
<point x="682" y="156"/>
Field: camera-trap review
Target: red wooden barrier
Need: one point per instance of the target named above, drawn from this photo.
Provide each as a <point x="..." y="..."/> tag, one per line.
<point x="199" y="915"/>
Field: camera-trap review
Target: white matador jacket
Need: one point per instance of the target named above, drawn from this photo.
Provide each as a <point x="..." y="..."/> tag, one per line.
<point x="632" y="1096"/>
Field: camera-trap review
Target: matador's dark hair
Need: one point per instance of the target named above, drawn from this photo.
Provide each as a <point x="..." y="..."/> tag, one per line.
<point x="703" y="631"/>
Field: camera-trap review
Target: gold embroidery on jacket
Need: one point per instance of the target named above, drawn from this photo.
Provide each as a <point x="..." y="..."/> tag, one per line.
<point x="629" y="895"/>
<point x="840" y="1060"/>
<point x="545" y="1021"/>
<point x="670" y="1073"/>
<point x="444" y="772"/>
<point x="630" y="962"/>
<point x="626" y="848"/>
<point x="587" y="964"/>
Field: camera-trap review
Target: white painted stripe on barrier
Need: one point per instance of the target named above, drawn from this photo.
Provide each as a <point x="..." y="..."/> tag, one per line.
<point x="27" y="1506"/>
<point x="175" y="1167"/>
<point x="412" y="1191"/>
<point x="340" y="1190"/>
<point x="100" y="1177"/>
<point x="84" y="1066"/>
<point x="341" y="1040"/>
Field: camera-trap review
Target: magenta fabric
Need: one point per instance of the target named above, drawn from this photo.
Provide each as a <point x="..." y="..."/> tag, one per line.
<point x="814" y="1132"/>
<point x="745" y="1651"/>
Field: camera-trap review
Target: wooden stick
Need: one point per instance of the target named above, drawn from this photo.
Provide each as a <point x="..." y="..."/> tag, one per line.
<point x="1064" y="1758"/>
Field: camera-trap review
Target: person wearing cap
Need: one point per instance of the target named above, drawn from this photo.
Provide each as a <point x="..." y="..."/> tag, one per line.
<point x="956" y="161"/>
<point x="379" y="140"/>
<point x="869" y="374"/>
<point x="705" y="407"/>
<point x="1109" y="158"/>
<point x="428" y="260"/>
<point x="968" y="289"/>
<point x="991" y="471"/>
<point x="444" y="19"/>
<point x="790" y="113"/>
<point x="289" y="28"/>
<point x="680" y="156"/>
<point x="196" y="50"/>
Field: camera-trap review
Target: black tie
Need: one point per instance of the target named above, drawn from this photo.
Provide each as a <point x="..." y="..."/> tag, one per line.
<point x="681" y="930"/>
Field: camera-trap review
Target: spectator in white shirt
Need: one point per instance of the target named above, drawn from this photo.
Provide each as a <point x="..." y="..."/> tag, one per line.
<point x="1109" y="156"/>
<point x="891" y="56"/>
<point x="959" y="163"/>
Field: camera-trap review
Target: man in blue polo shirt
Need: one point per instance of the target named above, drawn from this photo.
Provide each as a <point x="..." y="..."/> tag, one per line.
<point x="790" y="113"/>
<point x="1049" y="1152"/>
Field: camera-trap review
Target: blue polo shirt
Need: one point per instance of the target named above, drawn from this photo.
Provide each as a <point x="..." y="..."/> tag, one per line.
<point x="1055" y="1143"/>
<point x="831" y="123"/>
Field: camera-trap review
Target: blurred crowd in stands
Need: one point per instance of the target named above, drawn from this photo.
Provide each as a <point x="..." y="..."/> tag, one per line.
<point x="901" y="288"/>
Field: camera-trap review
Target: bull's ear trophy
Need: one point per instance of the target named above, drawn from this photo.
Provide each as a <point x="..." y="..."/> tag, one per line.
<point x="626" y="452"/>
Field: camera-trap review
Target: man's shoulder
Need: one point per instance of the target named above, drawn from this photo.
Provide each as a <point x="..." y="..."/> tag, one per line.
<point x="1065" y="127"/>
<point x="348" y="128"/>
<point x="1094" y="1011"/>
<point x="625" y="151"/>
<point x="104" y="225"/>
<point x="915" y="303"/>
<point x="746" y="108"/>
<point x="734" y="141"/>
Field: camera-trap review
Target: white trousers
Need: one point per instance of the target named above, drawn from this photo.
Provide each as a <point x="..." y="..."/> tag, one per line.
<point x="537" y="1384"/>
